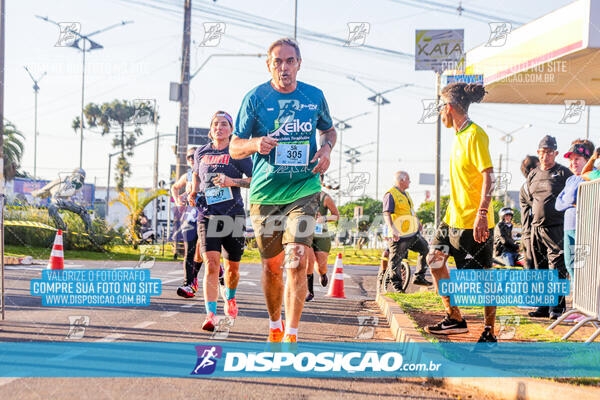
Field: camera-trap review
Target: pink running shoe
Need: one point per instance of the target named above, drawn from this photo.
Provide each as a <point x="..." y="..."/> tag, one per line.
<point x="231" y="308"/>
<point x="210" y="322"/>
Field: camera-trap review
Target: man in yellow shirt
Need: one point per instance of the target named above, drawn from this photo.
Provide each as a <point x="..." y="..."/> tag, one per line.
<point x="403" y="227"/>
<point x="466" y="231"/>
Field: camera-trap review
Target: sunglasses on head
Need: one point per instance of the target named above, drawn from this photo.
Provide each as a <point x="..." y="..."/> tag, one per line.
<point x="440" y="107"/>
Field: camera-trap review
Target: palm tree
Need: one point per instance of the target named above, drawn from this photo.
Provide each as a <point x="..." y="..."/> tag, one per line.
<point x="135" y="200"/>
<point x="114" y="117"/>
<point x="13" y="150"/>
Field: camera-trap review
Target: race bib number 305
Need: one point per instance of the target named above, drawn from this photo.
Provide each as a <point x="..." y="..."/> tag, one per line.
<point x="216" y="195"/>
<point x="291" y="154"/>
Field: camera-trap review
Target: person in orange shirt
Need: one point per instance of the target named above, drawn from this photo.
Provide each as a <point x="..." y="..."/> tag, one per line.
<point x="466" y="231"/>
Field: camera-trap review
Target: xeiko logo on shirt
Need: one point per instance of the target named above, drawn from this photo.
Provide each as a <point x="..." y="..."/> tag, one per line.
<point x="292" y="127"/>
<point x="207" y="359"/>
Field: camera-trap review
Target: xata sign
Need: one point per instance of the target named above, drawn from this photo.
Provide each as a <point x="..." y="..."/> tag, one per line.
<point x="319" y="362"/>
<point x="207" y="359"/>
<point x="439" y="49"/>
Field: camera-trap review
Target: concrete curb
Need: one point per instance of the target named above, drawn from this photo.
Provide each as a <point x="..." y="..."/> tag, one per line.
<point x="404" y="330"/>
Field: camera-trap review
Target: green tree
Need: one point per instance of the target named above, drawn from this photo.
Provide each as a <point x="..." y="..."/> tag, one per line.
<point x="371" y="208"/>
<point x="13" y="150"/>
<point x="426" y="210"/>
<point x="135" y="200"/>
<point x="498" y="205"/>
<point x="116" y="117"/>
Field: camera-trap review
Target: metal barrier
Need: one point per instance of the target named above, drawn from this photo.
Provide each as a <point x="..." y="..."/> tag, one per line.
<point x="585" y="283"/>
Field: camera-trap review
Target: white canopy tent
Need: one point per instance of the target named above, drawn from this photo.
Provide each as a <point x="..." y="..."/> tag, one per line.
<point x="547" y="61"/>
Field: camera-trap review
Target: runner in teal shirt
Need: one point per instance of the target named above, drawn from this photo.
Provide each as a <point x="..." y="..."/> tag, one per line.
<point x="285" y="174"/>
<point x="277" y="125"/>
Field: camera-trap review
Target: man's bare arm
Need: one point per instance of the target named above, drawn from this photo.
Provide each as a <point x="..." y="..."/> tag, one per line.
<point x="330" y="135"/>
<point x="486" y="191"/>
<point x="241" y="148"/>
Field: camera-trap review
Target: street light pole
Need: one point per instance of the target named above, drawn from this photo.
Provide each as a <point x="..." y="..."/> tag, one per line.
<point x="380" y="101"/>
<point x="36" y="89"/>
<point x="508" y="138"/>
<point x="111" y="155"/>
<point x="83" y="49"/>
<point x="341" y="126"/>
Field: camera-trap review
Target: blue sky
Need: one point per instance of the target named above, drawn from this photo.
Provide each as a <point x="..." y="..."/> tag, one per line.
<point x="139" y="60"/>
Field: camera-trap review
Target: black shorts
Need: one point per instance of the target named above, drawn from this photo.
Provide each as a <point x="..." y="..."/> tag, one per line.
<point x="222" y="233"/>
<point x="460" y="244"/>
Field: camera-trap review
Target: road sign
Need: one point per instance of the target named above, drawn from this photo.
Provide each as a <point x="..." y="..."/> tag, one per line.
<point x="428" y="179"/>
<point x="358" y="211"/>
<point x="463" y="78"/>
<point x="439" y="49"/>
<point x="198" y="136"/>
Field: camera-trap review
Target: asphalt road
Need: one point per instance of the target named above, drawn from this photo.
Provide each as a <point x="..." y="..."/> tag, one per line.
<point x="170" y="318"/>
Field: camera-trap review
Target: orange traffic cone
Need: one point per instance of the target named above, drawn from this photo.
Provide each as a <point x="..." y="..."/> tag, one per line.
<point x="57" y="257"/>
<point x="336" y="287"/>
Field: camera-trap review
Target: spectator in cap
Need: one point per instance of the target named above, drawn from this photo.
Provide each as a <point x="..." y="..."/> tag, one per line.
<point x="528" y="164"/>
<point x="544" y="184"/>
<point x="578" y="155"/>
<point x="504" y="245"/>
<point x="589" y="173"/>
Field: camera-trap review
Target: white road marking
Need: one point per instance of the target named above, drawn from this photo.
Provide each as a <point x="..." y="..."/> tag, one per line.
<point x="110" y="338"/>
<point x="5" y="381"/>
<point x="169" y="314"/>
<point x="190" y="305"/>
<point x="23" y="267"/>
<point x="246" y="283"/>
<point x="174" y="272"/>
<point x="172" y="280"/>
<point x="144" y="324"/>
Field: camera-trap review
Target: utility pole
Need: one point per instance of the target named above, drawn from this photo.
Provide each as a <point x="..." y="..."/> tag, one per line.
<point x="438" y="155"/>
<point x="2" y="38"/>
<point x="155" y="177"/>
<point x="295" y="19"/>
<point x="182" y="138"/>
<point x="36" y="89"/>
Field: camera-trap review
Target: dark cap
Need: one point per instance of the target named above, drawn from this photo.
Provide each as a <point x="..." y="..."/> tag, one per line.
<point x="548" y="142"/>
<point x="580" y="150"/>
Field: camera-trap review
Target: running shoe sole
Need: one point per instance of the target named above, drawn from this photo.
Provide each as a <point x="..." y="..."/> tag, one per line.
<point x="208" y="326"/>
<point x="184" y="294"/>
<point x="452" y="331"/>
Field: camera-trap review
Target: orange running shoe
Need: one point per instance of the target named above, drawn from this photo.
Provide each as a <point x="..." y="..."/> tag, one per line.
<point x="276" y="335"/>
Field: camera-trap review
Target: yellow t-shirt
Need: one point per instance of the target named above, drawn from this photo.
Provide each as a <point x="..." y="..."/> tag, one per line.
<point x="470" y="156"/>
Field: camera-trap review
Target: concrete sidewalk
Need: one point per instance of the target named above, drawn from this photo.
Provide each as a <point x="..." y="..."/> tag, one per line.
<point x="405" y="330"/>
